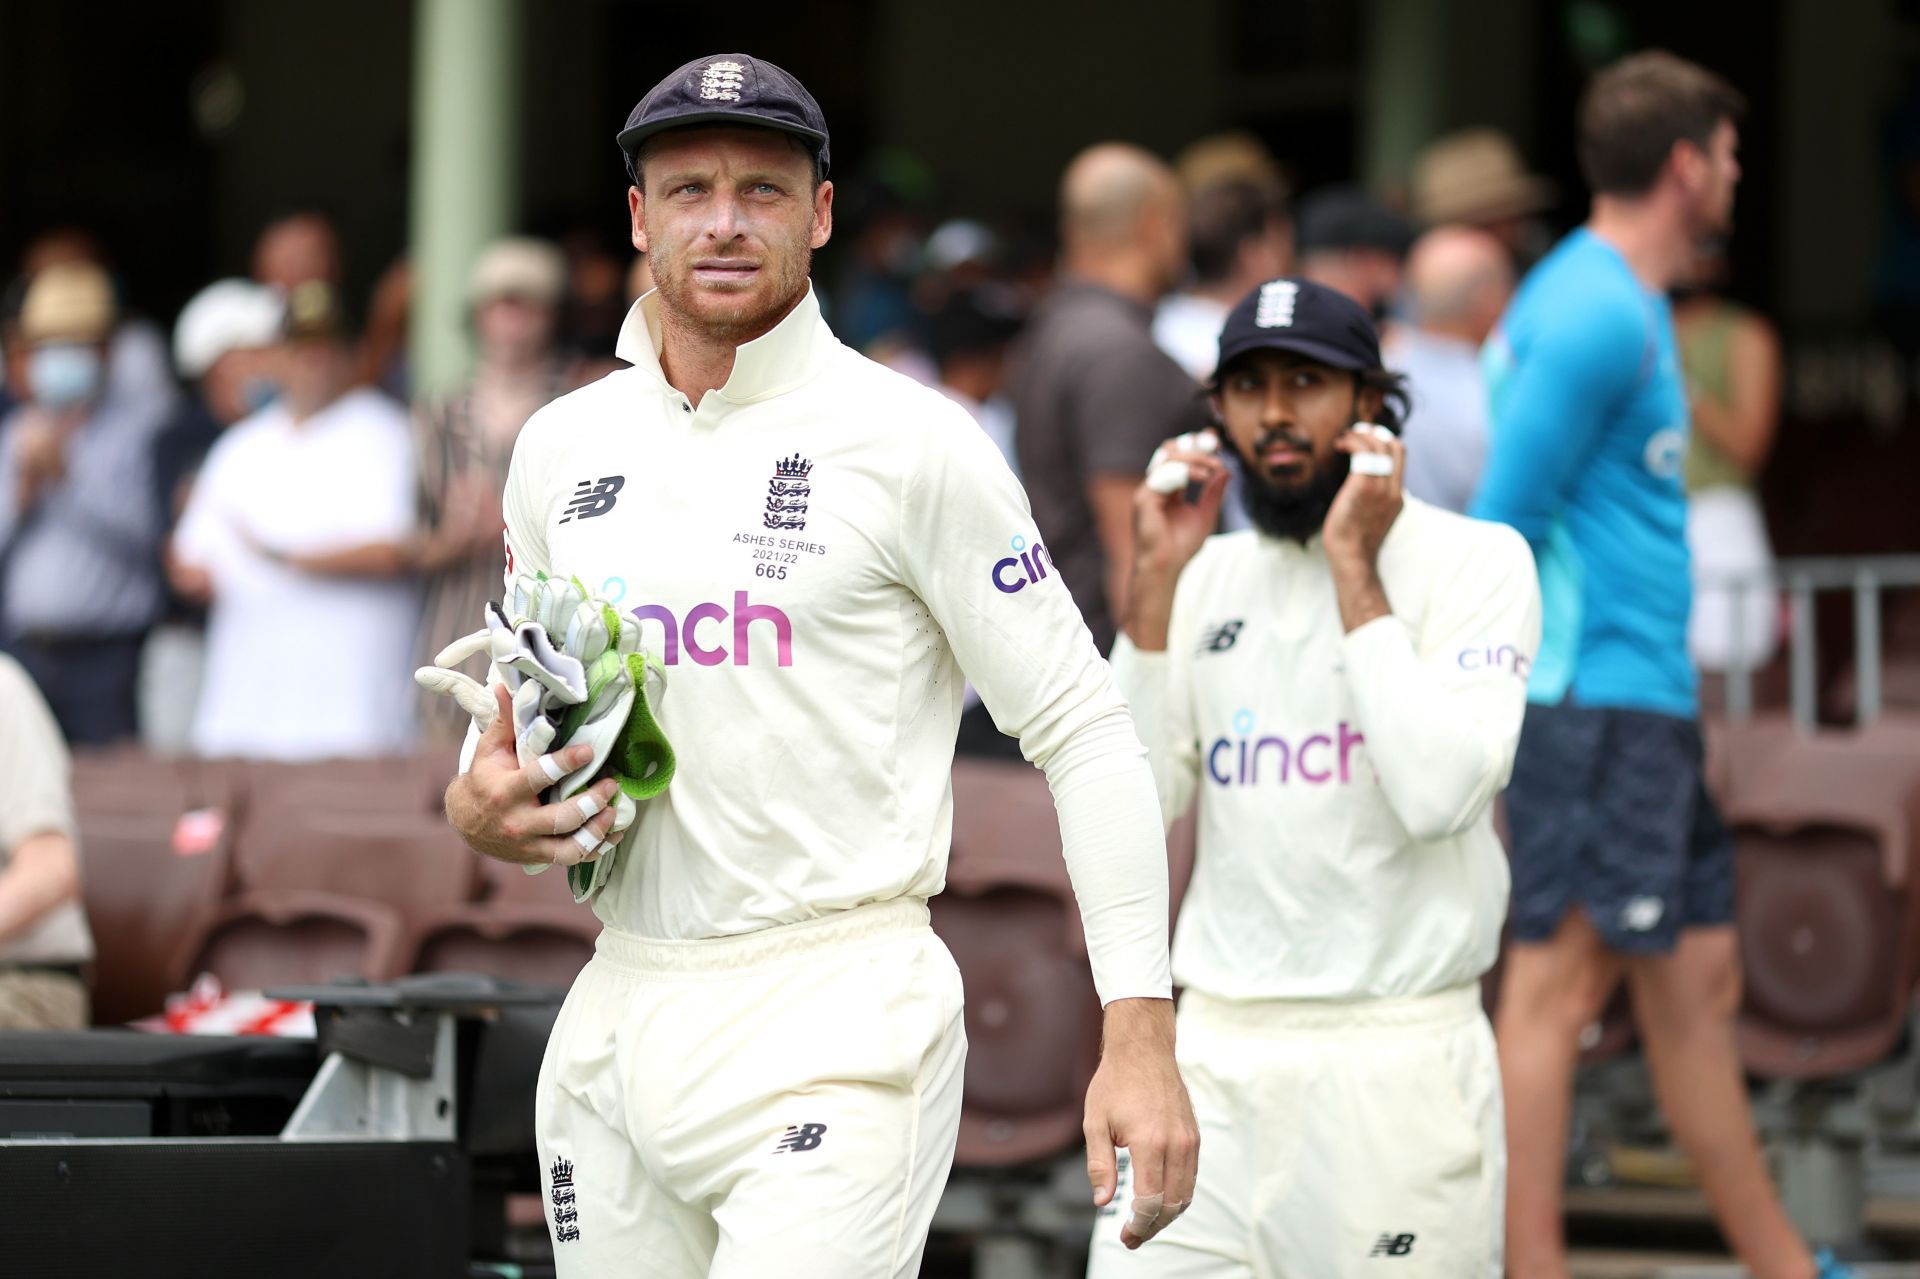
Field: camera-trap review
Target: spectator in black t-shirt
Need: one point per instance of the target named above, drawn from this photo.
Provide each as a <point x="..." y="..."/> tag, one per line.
<point x="1093" y="395"/>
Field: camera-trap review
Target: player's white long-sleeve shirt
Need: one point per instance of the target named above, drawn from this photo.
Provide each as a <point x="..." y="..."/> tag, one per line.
<point x="1346" y="843"/>
<point x="815" y="552"/>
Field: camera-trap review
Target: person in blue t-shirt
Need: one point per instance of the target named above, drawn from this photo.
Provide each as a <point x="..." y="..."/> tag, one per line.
<point x="1621" y="865"/>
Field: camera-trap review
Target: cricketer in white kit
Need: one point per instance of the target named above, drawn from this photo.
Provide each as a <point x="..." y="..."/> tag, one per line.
<point x="1343" y="685"/>
<point x="759" y="1072"/>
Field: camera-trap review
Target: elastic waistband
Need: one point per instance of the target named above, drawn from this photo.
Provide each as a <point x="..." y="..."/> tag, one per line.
<point x="1447" y="1007"/>
<point x="650" y="956"/>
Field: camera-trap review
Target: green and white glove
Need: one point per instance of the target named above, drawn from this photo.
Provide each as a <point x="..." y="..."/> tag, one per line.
<point x="576" y="673"/>
<point x="615" y="718"/>
<point x="541" y="680"/>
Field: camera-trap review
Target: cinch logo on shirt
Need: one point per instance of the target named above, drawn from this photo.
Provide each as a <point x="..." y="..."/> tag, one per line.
<point x="1495" y="657"/>
<point x="1316" y="760"/>
<point x="686" y="632"/>
<point x="1027" y="565"/>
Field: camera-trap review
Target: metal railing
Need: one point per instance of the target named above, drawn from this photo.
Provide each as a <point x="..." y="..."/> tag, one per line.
<point x="1799" y="580"/>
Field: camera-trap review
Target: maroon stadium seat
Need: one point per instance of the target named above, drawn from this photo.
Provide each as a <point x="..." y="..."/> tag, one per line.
<point x="154" y="865"/>
<point x="399" y="784"/>
<point x="1829" y="920"/>
<point x="329" y="888"/>
<point x="1032" y="1016"/>
<point x="1740" y="756"/>
<point x="527" y="928"/>
<point x="410" y="860"/>
<point x="300" y="937"/>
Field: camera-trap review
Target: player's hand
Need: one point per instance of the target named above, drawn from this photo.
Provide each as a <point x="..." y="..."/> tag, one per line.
<point x="1367" y="504"/>
<point x="1137" y="1101"/>
<point x="1168" y="529"/>
<point x="495" y="804"/>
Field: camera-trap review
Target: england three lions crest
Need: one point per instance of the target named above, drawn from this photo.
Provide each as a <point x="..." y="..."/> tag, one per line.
<point x="787" y="493"/>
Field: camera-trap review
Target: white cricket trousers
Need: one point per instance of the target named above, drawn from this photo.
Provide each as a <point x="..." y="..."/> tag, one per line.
<point x="1337" y="1140"/>
<point x="785" y="1102"/>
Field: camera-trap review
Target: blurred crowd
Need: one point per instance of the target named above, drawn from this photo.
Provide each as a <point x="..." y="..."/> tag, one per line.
<point x="239" y="536"/>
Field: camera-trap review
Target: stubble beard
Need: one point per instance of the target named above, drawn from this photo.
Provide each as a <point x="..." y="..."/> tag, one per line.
<point x="705" y="315"/>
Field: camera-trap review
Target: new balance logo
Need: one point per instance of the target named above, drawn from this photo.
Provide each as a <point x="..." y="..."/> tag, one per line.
<point x="801" y="1137"/>
<point x="1393" y="1246"/>
<point x="1222" y="637"/>
<point x="591" y="498"/>
<point x="565" y="1215"/>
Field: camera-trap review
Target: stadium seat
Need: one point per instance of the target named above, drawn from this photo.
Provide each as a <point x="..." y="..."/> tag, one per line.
<point x="1739" y="756"/>
<point x="526" y="929"/>
<point x="399" y="784"/>
<point x="410" y="860"/>
<point x="1032" y="1016"/>
<point x="154" y="864"/>
<point x="300" y="937"/>
<point x="328" y="888"/>
<point x="1829" y="921"/>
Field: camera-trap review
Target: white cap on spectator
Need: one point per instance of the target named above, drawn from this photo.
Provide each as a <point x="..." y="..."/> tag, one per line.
<point x="227" y="315"/>
<point x="958" y="242"/>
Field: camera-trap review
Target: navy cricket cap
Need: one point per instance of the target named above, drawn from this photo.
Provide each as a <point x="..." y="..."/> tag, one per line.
<point x="728" y="88"/>
<point x="1307" y="319"/>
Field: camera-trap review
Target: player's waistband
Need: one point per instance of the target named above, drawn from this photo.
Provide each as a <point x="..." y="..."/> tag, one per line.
<point x="649" y="956"/>
<point x="1259" y="1016"/>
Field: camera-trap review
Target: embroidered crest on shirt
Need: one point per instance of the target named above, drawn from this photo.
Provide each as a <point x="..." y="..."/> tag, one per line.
<point x="721" y="81"/>
<point x="787" y="493"/>
<point x="566" y="1214"/>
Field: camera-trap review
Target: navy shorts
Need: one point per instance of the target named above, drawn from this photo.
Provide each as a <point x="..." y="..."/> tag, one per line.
<point x="1608" y="811"/>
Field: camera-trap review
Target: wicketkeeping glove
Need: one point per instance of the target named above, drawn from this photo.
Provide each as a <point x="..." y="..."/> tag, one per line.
<point x="576" y="673"/>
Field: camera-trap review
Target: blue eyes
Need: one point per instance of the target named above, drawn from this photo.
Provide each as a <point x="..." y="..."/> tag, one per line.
<point x="758" y="188"/>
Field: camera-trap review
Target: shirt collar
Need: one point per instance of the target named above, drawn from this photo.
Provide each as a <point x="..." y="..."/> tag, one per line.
<point x="778" y="360"/>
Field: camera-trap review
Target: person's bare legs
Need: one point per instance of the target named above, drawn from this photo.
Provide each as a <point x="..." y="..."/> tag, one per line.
<point x="1549" y="992"/>
<point x="1685" y="1004"/>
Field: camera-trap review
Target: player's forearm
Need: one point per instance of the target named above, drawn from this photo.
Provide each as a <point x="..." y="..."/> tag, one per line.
<point x="1357" y="587"/>
<point x="1137" y="1023"/>
<point x="42" y="873"/>
<point x="1112" y="837"/>
<point x="1149" y="606"/>
<point x="1441" y="754"/>
<point x="1435" y="767"/>
<point x="1142" y="677"/>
